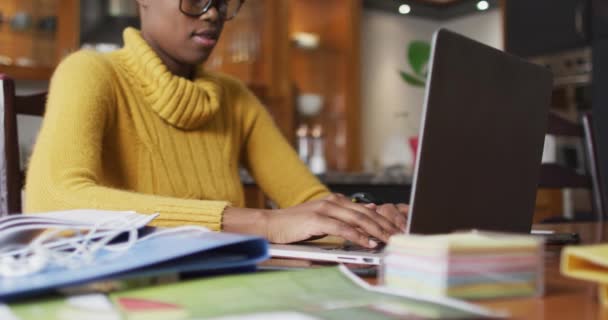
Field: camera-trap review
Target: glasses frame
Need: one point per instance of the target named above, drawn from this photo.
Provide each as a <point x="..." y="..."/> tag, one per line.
<point x="208" y="6"/>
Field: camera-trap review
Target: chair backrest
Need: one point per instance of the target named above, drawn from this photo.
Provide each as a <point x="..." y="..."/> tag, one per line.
<point x="11" y="177"/>
<point x="598" y="190"/>
<point x="555" y="176"/>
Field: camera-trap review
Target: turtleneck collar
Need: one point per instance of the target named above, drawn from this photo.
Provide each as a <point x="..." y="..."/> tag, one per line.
<point x="183" y="103"/>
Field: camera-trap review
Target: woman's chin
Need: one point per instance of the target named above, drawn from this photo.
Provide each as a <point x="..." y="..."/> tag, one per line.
<point x="199" y="58"/>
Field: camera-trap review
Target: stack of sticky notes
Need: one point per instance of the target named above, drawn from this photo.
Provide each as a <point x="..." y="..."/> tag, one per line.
<point x="473" y="265"/>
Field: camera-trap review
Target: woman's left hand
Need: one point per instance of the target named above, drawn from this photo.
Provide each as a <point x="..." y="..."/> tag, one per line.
<point x="393" y="212"/>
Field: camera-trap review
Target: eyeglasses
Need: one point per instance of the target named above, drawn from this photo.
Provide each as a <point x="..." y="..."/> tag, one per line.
<point x="196" y="8"/>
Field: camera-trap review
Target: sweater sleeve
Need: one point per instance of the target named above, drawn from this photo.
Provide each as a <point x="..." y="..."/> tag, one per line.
<point x="65" y="168"/>
<point x="273" y="162"/>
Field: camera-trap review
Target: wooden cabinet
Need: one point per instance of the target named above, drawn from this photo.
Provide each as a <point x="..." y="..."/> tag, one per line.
<point x="254" y="48"/>
<point x="541" y="27"/>
<point x="332" y="71"/>
<point x="35" y="35"/>
<point x="258" y="47"/>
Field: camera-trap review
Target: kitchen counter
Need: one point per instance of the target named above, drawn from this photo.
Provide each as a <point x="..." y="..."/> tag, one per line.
<point x="393" y="187"/>
<point x="339" y="178"/>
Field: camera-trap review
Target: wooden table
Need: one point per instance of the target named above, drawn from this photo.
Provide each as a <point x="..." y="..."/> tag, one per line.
<point x="564" y="298"/>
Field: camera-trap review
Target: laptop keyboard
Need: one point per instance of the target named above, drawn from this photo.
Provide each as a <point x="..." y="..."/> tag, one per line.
<point x="352" y="247"/>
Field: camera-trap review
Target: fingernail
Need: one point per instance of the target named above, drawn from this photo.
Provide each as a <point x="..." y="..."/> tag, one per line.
<point x="373" y="243"/>
<point x="370" y="205"/>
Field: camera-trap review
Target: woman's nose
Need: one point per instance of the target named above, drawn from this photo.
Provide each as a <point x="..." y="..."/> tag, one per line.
<point x="212" y="14"/>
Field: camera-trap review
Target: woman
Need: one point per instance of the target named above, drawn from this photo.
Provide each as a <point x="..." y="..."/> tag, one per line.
<point x="147" y="129"/>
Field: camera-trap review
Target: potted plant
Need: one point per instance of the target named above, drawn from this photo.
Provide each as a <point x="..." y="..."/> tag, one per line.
<point x="418" y="55"/>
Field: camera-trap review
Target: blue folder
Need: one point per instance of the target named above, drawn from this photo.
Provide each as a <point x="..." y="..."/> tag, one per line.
<point x="208" y="252"/>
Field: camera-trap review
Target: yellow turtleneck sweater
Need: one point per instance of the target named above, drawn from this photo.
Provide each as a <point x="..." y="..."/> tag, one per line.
<point x="123" y="133"/>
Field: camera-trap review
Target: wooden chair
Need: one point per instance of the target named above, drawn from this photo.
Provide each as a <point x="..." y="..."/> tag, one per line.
<point x="555" y="176"/>
<point x="598" y="190"/>
<point x="11" y="177"/>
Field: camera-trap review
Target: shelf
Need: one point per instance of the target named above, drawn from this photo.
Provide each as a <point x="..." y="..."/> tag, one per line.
<point x="45" y="48"/>
<point x="27" y="73"/>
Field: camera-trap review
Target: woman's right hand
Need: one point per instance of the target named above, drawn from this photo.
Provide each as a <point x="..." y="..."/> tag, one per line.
<point x="335" y="215"/>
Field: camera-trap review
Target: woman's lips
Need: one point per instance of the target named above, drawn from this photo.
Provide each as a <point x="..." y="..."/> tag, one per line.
<point x="205" y="39"/>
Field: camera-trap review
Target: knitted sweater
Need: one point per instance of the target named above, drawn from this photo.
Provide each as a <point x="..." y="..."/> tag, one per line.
<point x="123" y="133"/>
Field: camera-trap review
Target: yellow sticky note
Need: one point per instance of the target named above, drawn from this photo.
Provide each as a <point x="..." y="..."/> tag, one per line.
<point x="586" y="263"/>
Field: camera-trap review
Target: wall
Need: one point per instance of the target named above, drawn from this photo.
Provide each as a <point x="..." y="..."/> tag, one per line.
<point x="485" y="27"/>
<point x="391" y="108"/>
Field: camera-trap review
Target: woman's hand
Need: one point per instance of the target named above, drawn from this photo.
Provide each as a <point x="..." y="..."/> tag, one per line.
<point x="393" y="212"/>
<point x="335" y="215"/>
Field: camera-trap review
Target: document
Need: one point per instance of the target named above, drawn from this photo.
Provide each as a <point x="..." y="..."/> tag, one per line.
<point x="323" y="293"/>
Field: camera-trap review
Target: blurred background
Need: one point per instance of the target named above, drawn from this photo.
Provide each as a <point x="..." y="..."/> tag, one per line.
<point x="345" y="79"/>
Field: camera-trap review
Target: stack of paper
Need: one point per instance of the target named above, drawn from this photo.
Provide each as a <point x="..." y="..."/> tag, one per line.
<point x="318" y="293"/>
<point x="465" y="265"/>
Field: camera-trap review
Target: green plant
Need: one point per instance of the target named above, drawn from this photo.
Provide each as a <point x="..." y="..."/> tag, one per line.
<point x="418" y="55"/>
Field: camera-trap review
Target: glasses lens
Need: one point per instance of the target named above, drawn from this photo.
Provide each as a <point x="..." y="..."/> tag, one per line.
<point x="226" y="8"/>
<point x="193" y="7"/>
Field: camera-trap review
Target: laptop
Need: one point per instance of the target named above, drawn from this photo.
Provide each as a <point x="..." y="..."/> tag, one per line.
<point x="480" y="146"/>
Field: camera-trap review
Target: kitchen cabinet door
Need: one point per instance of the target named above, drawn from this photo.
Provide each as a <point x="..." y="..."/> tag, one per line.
<point x="35" y="35"/>
<point x="541" y="27"/>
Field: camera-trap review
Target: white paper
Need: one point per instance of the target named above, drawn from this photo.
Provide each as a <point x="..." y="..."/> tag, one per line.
<point x="3" y="191"/>
<point x="6" y="313"/>
<point x="287" y="315"/>
<point x="450" y="302"/>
